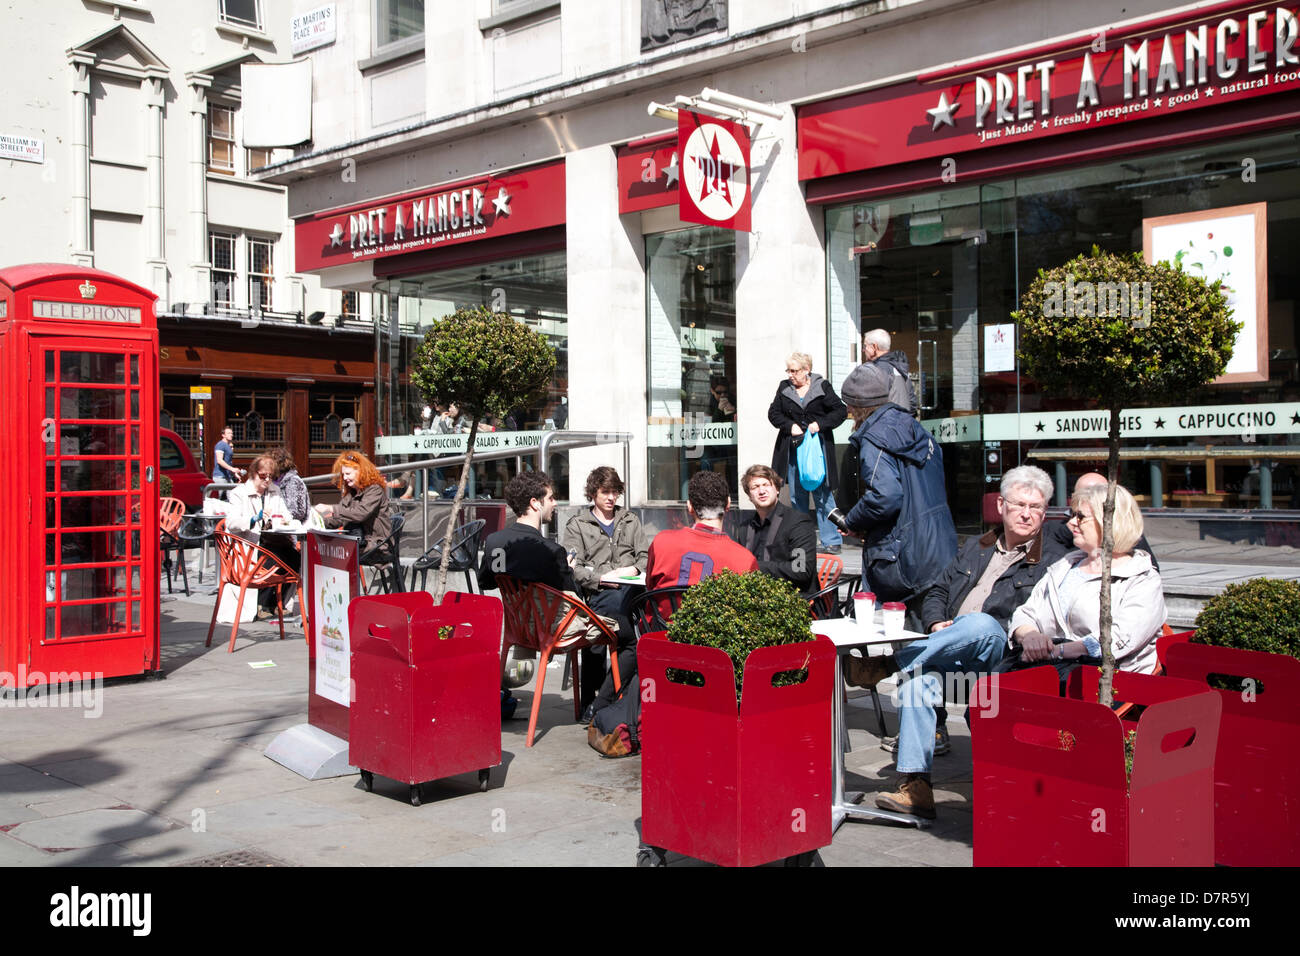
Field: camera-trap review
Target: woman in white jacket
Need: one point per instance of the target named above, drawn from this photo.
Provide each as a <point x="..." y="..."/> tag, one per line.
<point x="1061" y="619"/>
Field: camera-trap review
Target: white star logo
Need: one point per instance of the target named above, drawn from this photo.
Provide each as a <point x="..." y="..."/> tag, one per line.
<point x="671" y="171"/>
<point x="1209" y="91"/>
<point x="942" y="114"/>
<point x="1157" y="102"/>
<point x="502" y="202"/>
<point x="336" y="235"/>
<point x="1044" y="126"/>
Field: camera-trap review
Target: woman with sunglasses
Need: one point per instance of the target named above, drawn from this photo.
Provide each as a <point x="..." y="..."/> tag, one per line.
<point x="1059" y="624"/>
<point x="363" y="500"/>
<point x="253" y="507"/>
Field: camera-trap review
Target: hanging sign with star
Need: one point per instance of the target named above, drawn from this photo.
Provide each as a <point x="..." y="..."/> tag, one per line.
<point x="1160" y="67"/>
<point x="713" y="185"/>
<point x="444" y="215"/>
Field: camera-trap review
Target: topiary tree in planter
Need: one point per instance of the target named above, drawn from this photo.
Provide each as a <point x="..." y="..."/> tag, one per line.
<point x="487" y="363"/>
<point x="1262" y="614"/>
<point x="740" y="613"/>
<point x="1115" y="330"/>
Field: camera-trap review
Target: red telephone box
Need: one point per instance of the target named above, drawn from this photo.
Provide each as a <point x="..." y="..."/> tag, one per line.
<point x="79" y="502"/>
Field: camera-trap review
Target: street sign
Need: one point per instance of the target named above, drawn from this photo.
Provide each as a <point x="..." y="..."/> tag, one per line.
<point x="200" y="393"/>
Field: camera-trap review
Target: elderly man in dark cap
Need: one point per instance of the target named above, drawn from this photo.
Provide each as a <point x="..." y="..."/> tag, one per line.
<point x="898" y="505"/>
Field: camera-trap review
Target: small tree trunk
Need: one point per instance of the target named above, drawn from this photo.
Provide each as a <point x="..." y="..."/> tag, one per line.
<point x="1104" y="693"/>
<point x="440" y="584"/>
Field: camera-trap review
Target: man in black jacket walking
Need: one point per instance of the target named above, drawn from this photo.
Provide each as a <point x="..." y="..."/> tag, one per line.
<point x="966" y="611"/>
<point x="782" y="540"/>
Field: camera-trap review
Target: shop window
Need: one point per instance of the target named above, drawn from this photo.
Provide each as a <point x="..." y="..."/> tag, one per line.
<point x="333" y="421"/>
<point x="397" y="20"/>
<point x="257" y="417"/>
<point x="691" y="346"/>
<point x="244" y="13"/>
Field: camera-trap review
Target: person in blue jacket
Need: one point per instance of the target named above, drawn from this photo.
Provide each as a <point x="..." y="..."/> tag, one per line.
<point x="901" y="510"/>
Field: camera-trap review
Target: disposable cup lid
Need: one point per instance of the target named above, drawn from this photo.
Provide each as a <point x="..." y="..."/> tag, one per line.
<point x="895" y="606"/>
<point x="864" y="596"/>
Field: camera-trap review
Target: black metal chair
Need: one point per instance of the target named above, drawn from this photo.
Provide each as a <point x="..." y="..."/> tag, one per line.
<point x="647" y="610"/>
<point x="196" y="532"/>
<point x="386" y="560"/>
<point x="465" y="543"/>
<point x="825" y="604"/>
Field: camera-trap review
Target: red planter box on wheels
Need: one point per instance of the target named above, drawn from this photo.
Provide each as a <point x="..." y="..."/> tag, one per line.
<point x="1049" y="779"/>
<point x="427" y="685"/>
<point x="1257" y="766"/>
<point x="736" y="788"/>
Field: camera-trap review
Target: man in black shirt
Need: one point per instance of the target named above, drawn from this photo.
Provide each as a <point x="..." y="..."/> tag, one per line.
<point x="781" y="539"/>
<point x="520" y="550"/>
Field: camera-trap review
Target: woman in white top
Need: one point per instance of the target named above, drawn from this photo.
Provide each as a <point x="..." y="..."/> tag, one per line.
<point x="1061" y="619"/>
<point x="251" y="507"/>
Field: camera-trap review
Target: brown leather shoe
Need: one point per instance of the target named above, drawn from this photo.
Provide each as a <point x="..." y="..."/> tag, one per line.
<point x="913" y="796"/>
<point x="868" y="671"/>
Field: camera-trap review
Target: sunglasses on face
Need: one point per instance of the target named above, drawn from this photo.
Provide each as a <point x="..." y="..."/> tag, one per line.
<point x="1078" y="516"/>
<point x="263" y="474"/>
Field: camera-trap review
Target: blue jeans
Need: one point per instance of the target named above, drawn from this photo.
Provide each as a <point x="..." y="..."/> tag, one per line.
<point x="972" y="643"/>
<point x="822" y="499"/>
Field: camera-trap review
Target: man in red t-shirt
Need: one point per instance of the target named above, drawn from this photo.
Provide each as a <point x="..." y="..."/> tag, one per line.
<point x="689" y="555"/>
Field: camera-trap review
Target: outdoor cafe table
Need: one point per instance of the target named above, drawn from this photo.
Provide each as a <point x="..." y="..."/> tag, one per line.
<point x="845" y="635"/>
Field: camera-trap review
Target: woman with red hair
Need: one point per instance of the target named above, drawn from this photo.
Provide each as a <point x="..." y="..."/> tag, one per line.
<point x="363" y="500"/>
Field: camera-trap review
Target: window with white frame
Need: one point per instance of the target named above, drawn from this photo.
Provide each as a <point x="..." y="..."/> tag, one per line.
<point x="350" y="306"/>
<point x="221" y="138"/>
<point x="260" y="272"/>
<point x="224" y="155"/>
<point x="221" y="249"/>
<point x="244" y="13"/>
<point x="397" y="20"/>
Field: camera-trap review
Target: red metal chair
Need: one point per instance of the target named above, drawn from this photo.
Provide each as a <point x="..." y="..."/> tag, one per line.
<point x="550" y="621"/>
<point x="170" y="513"/>
<point x="829" y="569"/>
<point x="246" y="565"/>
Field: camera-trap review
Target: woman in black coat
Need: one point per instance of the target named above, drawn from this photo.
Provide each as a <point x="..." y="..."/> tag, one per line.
<point x="805" y="404"/>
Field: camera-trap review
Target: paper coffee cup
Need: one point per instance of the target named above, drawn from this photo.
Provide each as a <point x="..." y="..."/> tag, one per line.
<point x="893" y="615"/>
<point x="864" y="611"/>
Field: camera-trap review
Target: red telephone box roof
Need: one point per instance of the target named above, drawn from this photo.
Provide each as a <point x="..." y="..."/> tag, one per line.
<point x="17" y="277"/>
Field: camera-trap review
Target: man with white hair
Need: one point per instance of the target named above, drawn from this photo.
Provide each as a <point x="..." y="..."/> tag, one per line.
<point x="875" y="349"/>
<point x="966" y="612"/>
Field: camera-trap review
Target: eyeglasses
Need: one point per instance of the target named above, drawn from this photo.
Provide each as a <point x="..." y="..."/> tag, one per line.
<point x="264" y="474"/>
<point x="1024" y="506"/>
<point x="1078" y="516"/>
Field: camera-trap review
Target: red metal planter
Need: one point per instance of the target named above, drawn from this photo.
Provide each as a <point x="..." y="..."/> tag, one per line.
<point x="1038" y="803"/>
<point x="425" y="705"/>
<point x="736" y="789"/>
<point x="1257" y="766"/>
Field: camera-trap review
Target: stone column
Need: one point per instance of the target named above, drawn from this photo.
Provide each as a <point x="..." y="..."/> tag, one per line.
<point x="82" y="250"/>
<point x="200" y="266"/>
<point x="156" y="259"/>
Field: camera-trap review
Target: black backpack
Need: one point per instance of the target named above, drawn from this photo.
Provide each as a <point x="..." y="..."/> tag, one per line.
<point x="615" y="730"/>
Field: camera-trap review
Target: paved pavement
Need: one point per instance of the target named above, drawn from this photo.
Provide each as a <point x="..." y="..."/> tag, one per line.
<point x="172" y="772"/>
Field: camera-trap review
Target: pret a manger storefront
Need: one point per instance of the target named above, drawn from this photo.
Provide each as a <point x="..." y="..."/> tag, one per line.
<point x="944" y="195"/>
<point x="496" y="240"/>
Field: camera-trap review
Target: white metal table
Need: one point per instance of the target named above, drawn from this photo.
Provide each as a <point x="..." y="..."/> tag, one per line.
<point x="845" y="634"/>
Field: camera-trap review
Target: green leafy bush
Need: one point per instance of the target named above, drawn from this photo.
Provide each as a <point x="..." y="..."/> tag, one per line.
<point x="1262" y="614"/>
<point x="740" y="613"/>
<point x="165" y="486"/>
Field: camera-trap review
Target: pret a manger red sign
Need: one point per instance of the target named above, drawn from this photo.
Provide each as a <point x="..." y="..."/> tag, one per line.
<point x="714" y="180"/>
<point x="442" y="215"/>
<point x="1206" y="57"/>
